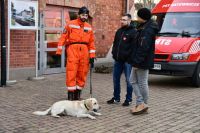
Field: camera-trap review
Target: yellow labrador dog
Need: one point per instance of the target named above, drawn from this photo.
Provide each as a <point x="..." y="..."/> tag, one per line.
<point x="73" y="108"/>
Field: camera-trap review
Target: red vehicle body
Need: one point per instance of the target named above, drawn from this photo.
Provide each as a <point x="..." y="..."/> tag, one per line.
<point x="177" y="48"/>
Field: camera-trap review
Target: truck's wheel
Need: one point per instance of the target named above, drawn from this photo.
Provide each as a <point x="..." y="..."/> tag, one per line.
<point x="196" y="76"/>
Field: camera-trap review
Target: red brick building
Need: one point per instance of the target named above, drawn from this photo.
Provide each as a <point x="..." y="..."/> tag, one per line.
<point x="53" y="14"/>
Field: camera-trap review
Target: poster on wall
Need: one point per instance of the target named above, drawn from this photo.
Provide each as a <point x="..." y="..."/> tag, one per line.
<point x="23" y="14"/>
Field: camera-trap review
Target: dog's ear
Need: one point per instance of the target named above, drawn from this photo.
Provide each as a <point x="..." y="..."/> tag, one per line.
<point x="89" y="104"/>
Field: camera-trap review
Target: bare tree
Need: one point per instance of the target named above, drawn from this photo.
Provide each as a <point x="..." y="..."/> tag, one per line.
<point x="145" y="3"/>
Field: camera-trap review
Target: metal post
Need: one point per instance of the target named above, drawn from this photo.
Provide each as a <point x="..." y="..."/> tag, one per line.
<point x="36" y="59"/>
<point x="36" y="56"/>
<point x="3" y="46"/>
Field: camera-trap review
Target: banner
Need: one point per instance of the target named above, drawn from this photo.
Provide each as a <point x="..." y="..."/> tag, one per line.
<point x="23" y="14"/>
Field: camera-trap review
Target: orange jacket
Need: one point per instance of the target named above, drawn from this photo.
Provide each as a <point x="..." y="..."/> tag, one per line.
<point x="77" y="32"/>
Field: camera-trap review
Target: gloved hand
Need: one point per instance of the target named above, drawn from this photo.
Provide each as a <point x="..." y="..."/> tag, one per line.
<point x="92" y="62"/>
<point x="59" y="50"/>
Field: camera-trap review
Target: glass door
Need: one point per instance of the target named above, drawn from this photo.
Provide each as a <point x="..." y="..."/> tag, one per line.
<point x="53" y="22"/>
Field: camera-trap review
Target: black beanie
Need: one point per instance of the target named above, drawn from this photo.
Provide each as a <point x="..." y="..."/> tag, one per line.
<point x="144" y="13"/>
<point x="83" y="10"/>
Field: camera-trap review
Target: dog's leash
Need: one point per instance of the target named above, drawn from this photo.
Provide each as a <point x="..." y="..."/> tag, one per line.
<point x="91" y="67"/>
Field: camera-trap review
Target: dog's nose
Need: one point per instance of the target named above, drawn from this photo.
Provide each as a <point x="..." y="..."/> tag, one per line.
<point x="95" y="110"/>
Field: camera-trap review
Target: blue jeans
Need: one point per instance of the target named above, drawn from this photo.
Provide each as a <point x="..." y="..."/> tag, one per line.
<point x="120" y="67"/>
<point x="139" y="81"/>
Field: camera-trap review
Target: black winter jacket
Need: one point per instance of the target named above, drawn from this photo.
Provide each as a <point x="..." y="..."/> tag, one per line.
<point x="122" y="44"/>
<point x="142" y="55"/>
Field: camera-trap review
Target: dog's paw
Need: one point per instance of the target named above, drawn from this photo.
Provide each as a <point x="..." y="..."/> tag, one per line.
<point x="98" y="114"/>
<point x="56" y="116"/>
<point x="92" y="117"/>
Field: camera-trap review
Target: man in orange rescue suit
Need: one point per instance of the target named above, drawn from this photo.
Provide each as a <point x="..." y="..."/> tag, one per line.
<point x="78" y="39"/>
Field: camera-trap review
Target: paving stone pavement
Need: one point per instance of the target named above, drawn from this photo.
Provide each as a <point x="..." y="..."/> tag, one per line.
<point x="174" y="107"/>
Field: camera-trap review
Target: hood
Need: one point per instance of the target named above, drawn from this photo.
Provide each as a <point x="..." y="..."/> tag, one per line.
<point x="149" y="24"/>
<point x="154" y="25"/>
<point x="172" y="44"/>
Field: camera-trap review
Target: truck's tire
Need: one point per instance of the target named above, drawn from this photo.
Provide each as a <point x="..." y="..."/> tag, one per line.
<point x="196" y="76"/>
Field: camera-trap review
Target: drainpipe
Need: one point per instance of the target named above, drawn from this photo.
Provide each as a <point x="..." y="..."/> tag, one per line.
<point x="127" y="6"/>
<point x="3" y="46"/>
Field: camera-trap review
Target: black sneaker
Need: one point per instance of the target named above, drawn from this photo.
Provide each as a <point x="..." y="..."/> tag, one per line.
<point x="126" y="103"/>
<point x="113" y="101"/>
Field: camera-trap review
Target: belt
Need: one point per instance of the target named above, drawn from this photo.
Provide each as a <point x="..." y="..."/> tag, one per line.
<point x="78" y="43"/>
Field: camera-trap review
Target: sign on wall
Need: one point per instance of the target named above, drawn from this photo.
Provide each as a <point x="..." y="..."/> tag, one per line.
<point x="23" y="14"/>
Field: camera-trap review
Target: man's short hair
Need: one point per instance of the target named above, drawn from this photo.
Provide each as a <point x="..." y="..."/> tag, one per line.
<point x="128" y="15"/>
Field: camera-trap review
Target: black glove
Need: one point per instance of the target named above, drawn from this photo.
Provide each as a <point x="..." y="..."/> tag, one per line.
<point x="92" y="62"/>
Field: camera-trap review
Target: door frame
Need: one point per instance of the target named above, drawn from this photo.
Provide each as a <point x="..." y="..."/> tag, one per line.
<point x="42" y="50"/>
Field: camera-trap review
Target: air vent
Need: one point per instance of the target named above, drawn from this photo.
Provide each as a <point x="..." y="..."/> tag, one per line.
<point x="161" y="56"/>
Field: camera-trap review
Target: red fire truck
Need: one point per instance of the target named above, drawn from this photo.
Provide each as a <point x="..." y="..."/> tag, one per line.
<point x="178" y="42"/>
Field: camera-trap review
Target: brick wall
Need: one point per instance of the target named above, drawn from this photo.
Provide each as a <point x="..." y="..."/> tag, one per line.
<point x="22" y="48"/>
<point x="105" y="22"/>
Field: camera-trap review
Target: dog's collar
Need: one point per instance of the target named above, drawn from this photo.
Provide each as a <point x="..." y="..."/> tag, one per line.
<point x="86" y="106"/>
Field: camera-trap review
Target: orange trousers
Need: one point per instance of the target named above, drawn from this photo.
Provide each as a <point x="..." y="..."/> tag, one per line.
<point x="77" y="66"/>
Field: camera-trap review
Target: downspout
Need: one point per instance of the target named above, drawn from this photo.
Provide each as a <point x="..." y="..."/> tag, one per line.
<point x="3" y="45"/>
<point x="127" y="6"/>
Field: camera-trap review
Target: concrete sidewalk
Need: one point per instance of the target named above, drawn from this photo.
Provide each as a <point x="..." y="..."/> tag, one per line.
<point x="174" y="108"/>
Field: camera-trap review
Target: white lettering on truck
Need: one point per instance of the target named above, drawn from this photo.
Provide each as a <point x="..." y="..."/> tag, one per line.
<point x="181" y="4"/>
<point x="163" y="42"/>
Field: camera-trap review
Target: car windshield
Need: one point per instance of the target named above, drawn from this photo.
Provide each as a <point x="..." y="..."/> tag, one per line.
<point x="175" y="24"/>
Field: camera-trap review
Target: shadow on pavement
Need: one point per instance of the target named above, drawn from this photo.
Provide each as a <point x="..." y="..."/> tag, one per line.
<point x="170" y="81"/>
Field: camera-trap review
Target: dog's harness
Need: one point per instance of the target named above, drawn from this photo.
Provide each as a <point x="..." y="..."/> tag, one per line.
<point x="85" y="105"/>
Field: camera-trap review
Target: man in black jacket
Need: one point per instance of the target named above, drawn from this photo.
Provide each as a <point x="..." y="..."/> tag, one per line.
<point x="121" y="50"/>
<point x="142" y="59"/>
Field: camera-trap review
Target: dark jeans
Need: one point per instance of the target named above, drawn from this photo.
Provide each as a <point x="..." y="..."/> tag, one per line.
<point x="120" y="67"/>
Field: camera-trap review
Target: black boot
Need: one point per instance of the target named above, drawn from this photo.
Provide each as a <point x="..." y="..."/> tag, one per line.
<point x="77" y="94"/>
<point x="71" y="96"/>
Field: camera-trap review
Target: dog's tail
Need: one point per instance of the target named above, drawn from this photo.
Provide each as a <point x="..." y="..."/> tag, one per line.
<point x="46" y="112"/>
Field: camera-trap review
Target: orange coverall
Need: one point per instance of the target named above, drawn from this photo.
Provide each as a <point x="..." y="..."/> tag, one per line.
<point x="78" y="38"/>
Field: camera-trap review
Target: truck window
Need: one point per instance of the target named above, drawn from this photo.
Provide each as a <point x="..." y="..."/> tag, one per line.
<point x="174" y="24"/>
